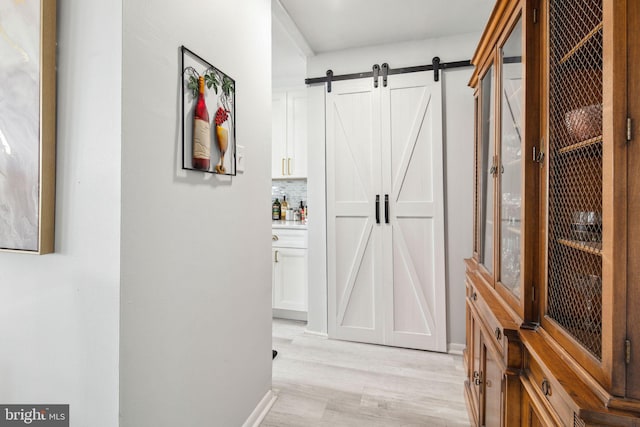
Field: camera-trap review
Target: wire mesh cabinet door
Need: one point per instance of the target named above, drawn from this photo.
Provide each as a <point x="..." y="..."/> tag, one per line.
<point x="583" y="252"/>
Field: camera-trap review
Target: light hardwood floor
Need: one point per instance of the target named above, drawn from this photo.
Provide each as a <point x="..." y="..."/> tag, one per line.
<point x="321" y="382"/>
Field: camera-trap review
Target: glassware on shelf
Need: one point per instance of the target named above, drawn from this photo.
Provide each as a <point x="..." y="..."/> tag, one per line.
<point x="587" y="226"/>
<point x="590" y="288"/>
<point x="511" y="261"/>
<point x="511" y="204"/>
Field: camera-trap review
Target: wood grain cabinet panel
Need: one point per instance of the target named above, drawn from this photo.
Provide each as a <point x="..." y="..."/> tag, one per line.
<point x="494" y="357"/>
<point x="554" y="274"/>
<point x="534" y="414"/>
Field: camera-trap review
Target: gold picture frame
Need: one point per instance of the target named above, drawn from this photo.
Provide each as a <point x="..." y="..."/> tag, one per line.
<point x="28" y="126"/>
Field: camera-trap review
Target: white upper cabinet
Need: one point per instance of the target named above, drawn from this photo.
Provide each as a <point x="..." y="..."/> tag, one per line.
<point x="289" y="134"/>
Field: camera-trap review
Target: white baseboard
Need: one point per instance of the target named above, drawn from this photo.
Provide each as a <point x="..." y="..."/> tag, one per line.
<point x="261" y="410"/>
<point x="281" y="313"/>
<point x="317" y="334"/>
<point x="455" y="348"/>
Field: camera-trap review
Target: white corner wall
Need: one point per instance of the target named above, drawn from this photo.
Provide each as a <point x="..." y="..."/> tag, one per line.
<point x="458" y="134"/>
<point x="59" y="313"/>
<point x="196" y="268"/>
<point x="289" y="65"/>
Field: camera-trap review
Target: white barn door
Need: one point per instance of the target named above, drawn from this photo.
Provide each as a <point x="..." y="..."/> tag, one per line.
<point x="413" y="243"/>
<point x="354" y="241"/>
<point x="386" y="258"/>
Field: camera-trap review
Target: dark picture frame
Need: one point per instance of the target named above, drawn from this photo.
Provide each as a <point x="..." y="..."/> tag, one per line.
<point x="220" y="93"/>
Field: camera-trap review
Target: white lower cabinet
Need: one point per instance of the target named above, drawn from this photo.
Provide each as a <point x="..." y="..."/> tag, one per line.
<point x="289" y="273"/>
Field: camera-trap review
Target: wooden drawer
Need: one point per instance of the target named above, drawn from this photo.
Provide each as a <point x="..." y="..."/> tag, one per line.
<point x="549" y="389"/>
<point x="554" y="381"/>
<point x="499" y="327"/>
<point x="491" y="323"/>
<point x="535" y="410"/>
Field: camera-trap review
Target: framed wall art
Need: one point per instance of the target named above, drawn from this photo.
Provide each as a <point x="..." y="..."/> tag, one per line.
<point x="27" y="125"/>
<point x="208" y="117"/>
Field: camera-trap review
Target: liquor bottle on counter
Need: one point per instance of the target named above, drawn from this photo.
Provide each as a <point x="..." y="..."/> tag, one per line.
<point x="275" y="210"/>
<point x="303" y="214"/>
<point x="283" y="208"/>
<point x="201" y="131"/>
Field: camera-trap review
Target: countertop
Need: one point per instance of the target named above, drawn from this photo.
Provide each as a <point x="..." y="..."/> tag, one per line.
<point x="295" y="225"/>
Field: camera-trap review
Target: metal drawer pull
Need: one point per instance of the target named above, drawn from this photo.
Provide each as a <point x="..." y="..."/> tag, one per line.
<point x="474" y="296"/>
<point x="546" y="387"/>
<point x="274" y="237"/>
<point x="289" y="165"/>
<point x="498" y="333"/>
<point x="283" y="166"/>
<point x="276" y="256"/>
<point x="377" y="209"/>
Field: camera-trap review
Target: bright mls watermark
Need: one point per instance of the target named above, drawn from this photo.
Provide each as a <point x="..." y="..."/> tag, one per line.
<point x="34" y="415"/>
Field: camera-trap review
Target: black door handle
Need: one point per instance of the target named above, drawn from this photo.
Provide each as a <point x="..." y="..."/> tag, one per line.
<point x="377" y="209"/>
<point x="386" y="209"/>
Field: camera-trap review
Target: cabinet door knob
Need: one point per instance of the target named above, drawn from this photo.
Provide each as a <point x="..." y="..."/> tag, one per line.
<point x="498" y="333"/>
<point x="477" y="378"/>
<point x="474" y="296"/>
<point x="274" y="237"/>
<point x="546" y="387"/>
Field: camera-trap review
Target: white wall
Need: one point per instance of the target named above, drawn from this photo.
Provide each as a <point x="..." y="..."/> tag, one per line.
<point x="317" y="209"/>
<point x="59" y="312"/>
<point x="458" y="133"/>
<point x="289" y="65"/>
<point x="196" y="268"/>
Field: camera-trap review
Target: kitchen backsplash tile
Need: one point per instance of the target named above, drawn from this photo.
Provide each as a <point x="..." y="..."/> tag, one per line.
<point x="295" y="190"/>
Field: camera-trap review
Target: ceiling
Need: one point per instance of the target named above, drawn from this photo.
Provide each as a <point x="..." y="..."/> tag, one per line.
<point x="328" y="25"/>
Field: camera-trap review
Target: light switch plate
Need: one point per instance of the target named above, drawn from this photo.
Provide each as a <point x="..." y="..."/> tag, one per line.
<point x="240" y="158"/>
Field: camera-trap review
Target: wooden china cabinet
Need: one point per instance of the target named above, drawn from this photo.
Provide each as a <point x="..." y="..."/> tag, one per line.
<point x="553" y="287"/>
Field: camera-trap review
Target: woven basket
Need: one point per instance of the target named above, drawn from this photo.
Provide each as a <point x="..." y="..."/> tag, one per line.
<point x="585" y="122"/>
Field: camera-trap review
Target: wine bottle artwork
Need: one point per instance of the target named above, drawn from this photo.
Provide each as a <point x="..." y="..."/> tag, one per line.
<point x="205" y="86"/>
<point x="201" y="131"/>
<point x="222" y="135"/>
